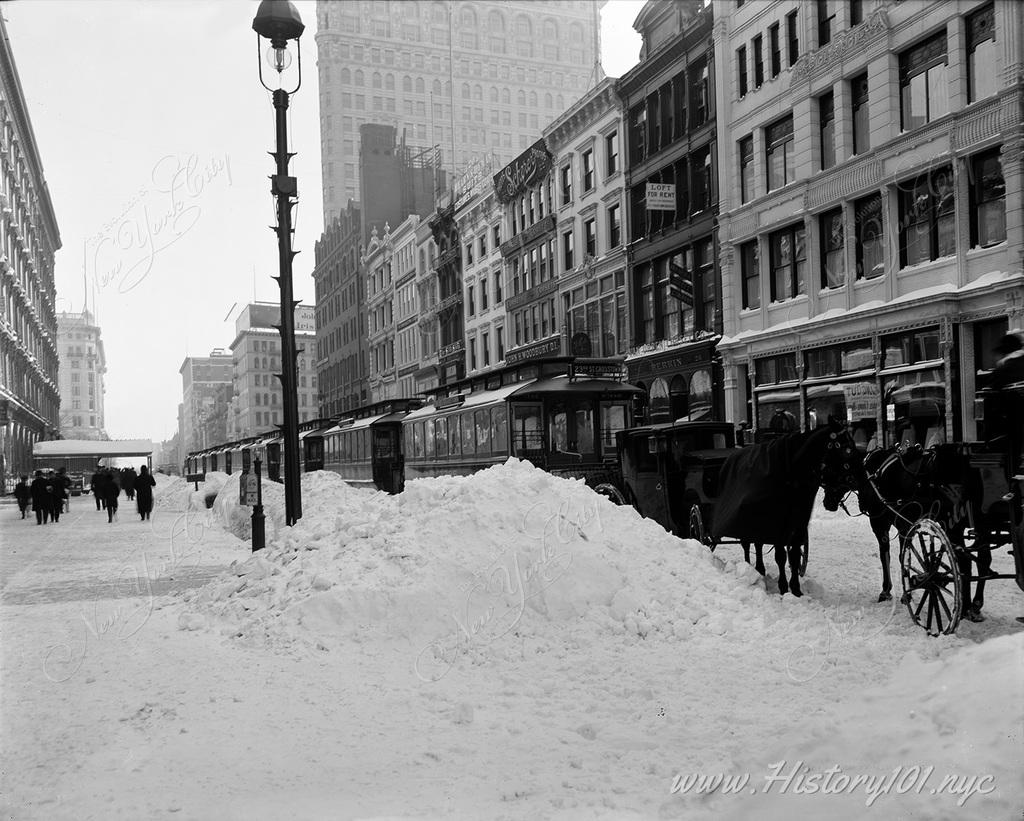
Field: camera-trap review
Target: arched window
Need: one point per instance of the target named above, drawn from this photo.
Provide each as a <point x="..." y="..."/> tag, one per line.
<point x="437" y="87"/>
<point x="465" y="91"/>
<point x="376" y="81"/>
<point x="550" y="29"/>
<point x="359" y="78"/>
<point x="561" y="102"/>
<point x="346" y="76"/>
<point x="468" y="17"/>
<point x="576" y="33"/>
<point x="523" y="26"/>
<point x="533" y="99"/>
<point x="478" y="93"/>
<point x="496" y="22"/>
<point x="506" y="96"/>
<point x="548" y="102"/>
<point x="420" y="87"/>
<point x="520" y="97"/>
<point x="406" y="83"/>
<point x="493" y="94"/>
<point x="389" y="82"/>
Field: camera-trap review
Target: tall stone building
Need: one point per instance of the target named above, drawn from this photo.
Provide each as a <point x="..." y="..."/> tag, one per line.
<point x="82" y="368"/>
<point x="206" y="391"/>
<point x="871" y="210"/>
<point x="256" y="404"/>
<point x="475" y="78"/>
<point x="29" y="396"/>
<point x="671" y="179"/>
<point x="399" y="181"/>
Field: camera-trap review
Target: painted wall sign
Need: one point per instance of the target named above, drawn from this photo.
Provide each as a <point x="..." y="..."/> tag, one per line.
<point x="525" y="170"/>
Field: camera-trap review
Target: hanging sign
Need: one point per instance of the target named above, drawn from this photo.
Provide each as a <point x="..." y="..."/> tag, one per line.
<point x="524" y="171"/>
<point x="661" y="196"/>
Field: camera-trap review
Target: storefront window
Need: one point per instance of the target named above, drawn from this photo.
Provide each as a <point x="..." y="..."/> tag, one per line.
<point x="700" y="395"/>
<point x="774" y="369"/>
<point x="856" y="403"/>
<point x="915" y="408"/>
<point x="777" y="411"/>
<point x="911" y="348"/>
<point x="658" y="399"/>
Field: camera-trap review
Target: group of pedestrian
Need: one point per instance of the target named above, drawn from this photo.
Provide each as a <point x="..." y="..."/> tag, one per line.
<point x="106" y="486"/>
<point x="47" y="494"/>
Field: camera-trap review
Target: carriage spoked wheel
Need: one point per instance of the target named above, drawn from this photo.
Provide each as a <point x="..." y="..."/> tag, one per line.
<point x="931" y="578"/>
<point x="697" y="530"/>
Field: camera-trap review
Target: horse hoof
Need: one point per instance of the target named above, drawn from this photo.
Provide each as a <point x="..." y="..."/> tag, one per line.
<point x="885" y="597"/>
<point x="973" y="614"/>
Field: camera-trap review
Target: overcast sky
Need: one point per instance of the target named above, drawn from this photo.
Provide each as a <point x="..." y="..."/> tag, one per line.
<point x="151" y="114"/>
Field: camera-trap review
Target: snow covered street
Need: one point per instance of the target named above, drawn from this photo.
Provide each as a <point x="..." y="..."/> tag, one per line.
<point x="502" y="646"/>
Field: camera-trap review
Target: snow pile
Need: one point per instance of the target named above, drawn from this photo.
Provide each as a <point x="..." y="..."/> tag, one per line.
<point x="171" y="492"/>
<point x="458" y="563"/>
<point x="941" y="739"/>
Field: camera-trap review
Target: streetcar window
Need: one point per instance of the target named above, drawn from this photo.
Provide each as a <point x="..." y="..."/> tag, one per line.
<point x="584" y="428"/>
<point x="499" y="429"/>
<point x="428" y="437"/>
<point x="613" y="418"/>
<point x="441" y="436"/>
<point x="417" y="439"/>
<point x="527" y="429"/>
<point x="482" y="423"/>
<point x="454" y="435"/>
<point x="558" y="424"/>
<point x="383" y="444"/>
<point x="468" y="433"/>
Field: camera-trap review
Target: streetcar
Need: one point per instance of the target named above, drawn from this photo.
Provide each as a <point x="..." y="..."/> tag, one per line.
<point x="562" y="414"/>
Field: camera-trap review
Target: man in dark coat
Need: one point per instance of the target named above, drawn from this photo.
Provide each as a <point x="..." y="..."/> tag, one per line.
<point x="96" y="486"/>
<point x="57" y="491"/>
<point x="110" y="491"/>
<point x="128" y="477"/>
<point x="23" y="495"/>
<point x="39" y="490"/>
<point x="144" y="485"/>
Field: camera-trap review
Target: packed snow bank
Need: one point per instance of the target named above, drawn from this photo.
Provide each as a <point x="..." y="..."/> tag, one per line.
<point x="460" y="563"/>
<point x="920" y="746"/>
<point x="171" y="492"/>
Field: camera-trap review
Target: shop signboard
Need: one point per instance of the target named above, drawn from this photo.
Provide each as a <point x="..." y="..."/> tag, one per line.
<point x="863" y="400"/>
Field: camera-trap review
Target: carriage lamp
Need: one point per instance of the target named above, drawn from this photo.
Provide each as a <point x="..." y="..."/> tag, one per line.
<point x="278" y="22"/>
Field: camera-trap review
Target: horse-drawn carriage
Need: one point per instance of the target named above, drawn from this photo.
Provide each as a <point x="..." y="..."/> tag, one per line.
<point x="952" y="505"/>
<point x="692" y="479"/>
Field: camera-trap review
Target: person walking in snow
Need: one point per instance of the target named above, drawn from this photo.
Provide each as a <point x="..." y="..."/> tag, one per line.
<point x="110" y="491"/>
<point x="96" y="486"/>
<point x="56" y="488"/>
<point x="40" y="497"/>
<point x="23" y="495"/>
<point x="128" y="477"/>
<point x="144" y="484"/>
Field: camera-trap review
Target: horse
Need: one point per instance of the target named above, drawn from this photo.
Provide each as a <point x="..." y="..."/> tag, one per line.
<point x="767" y="492"/>
<point x="902" y="485"/>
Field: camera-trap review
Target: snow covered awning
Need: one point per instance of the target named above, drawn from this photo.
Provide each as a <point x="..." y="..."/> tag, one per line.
<point x="92" y="447"/>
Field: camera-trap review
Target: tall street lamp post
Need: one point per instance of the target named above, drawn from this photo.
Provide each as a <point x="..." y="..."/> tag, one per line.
<point x="278" y="21"/>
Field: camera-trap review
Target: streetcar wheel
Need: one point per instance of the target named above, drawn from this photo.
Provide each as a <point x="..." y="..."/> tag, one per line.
<point x="609" y="491"/>
<point x="697" y="530"/>
<point x="931" y="578"/>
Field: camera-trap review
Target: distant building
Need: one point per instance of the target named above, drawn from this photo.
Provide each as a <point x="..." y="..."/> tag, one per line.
<point x="82" y="368"/>
<point x="256" y="403"/>
<point x="206" y="391"/>
<point x="474" y="79"/>
<point x="399" y="181"/>
<point x="29" y="394"/>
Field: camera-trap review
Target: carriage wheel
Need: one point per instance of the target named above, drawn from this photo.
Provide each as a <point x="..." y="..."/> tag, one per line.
<point x="931" y="578"/>
<point x="697" y="530"/>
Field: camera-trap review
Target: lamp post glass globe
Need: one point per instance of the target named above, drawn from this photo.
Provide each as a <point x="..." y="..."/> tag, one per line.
<point x="279" y="59"/>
